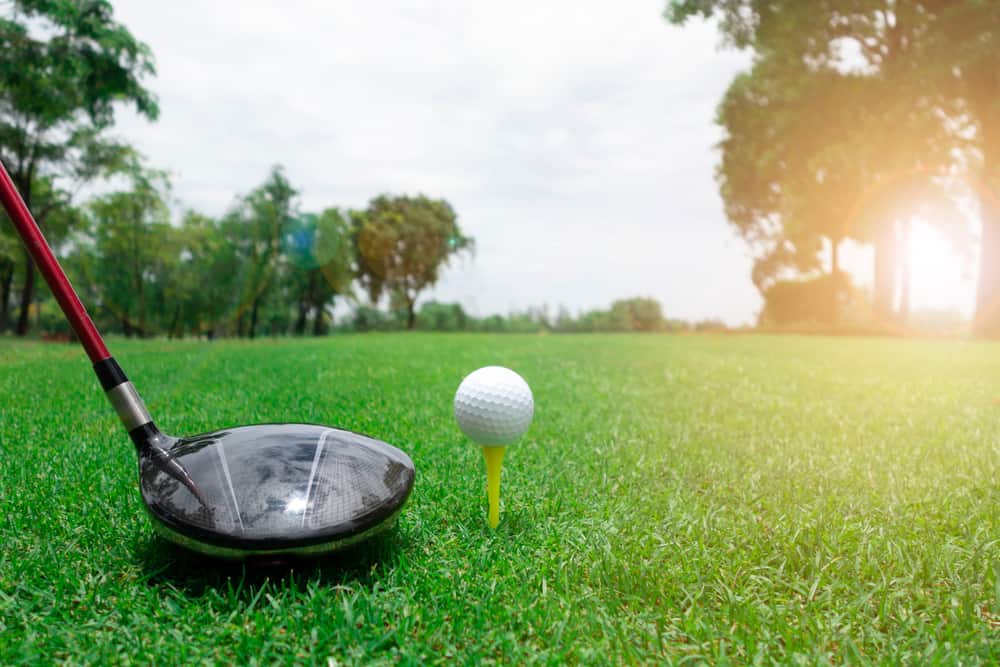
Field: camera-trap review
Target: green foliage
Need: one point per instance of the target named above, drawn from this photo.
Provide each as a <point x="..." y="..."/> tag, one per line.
<point x="319" y="265"/>
<point x="677" y="500"/>
<point x="637" y="314"/>
<point x="436" y="316"/>
<point x="256" y="227"/>
<point x="823" y="146"/>
<point x="133" y="258"/>
<point x="368" y="318"/>
<point x="807" y="301"/>
<point x="202" y="288"/>
<point x="262" y="268"/>
<point x="401" y="245"/>
<point x="65" y="65"/>
<point x="64" y="68"/>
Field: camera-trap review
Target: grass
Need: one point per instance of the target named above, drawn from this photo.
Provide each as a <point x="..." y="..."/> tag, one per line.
<point x="735" y="500"/>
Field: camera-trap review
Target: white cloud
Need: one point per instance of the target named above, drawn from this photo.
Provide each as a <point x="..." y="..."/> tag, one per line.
<point x="575" y="139"/>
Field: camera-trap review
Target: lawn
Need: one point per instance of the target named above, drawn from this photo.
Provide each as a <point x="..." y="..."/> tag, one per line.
<point x="732" y="499"/>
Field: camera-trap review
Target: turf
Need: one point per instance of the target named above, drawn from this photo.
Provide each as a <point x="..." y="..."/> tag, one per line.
<point x="730" y="499"/>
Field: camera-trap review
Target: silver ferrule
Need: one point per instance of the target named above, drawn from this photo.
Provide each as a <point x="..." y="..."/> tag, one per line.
<point x="129" y="406"/>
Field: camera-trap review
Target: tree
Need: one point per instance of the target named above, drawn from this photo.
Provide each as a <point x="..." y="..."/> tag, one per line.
<point x="200" y="290"/>
<point x="62" y="220"/>
<point x="133" y="255"/>
<point x="320" y="257"/>
<point x="256" y="227"/>
<point x="816" y="300"/>
<point x="402" y="243"/>
<point x="369" y="318"/>
<point x="939" y="57"/>
<point x="637" y="314"/>
<point x="804" y="162"/>
<point x="752" y="173"/>
<point x="437" y="316"/>
<point x="64" y="66"/>
<point x="9" y="253"/>
<point x="961" y="52"/>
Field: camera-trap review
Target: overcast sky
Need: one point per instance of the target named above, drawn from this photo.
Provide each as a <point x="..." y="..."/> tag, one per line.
<point x="575" y="139"/>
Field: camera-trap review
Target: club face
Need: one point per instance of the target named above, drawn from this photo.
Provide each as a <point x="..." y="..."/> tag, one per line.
<point x="298" y="489"/>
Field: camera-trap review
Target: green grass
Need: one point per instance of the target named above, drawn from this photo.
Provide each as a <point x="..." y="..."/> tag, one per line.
<point x="731" y="499"/>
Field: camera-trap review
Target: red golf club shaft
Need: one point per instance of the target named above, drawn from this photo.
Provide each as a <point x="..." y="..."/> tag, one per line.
<point x="49" y="267"/>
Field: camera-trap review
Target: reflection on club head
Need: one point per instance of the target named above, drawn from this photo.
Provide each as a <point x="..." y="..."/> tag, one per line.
<point x="297" y="489"/>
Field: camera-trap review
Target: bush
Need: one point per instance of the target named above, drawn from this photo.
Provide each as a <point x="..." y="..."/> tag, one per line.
<point x="821" y="300"/>
<point x="435" y="316"/>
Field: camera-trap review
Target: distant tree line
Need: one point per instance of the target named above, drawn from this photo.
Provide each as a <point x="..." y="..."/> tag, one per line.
<point x="634" y="315"/>
<point x="265" y="267"/>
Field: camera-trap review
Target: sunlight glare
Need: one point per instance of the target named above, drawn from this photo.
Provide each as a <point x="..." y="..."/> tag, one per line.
<point x="942" y="278"/>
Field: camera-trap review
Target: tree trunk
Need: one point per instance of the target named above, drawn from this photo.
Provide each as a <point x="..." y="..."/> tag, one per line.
<point x="253" y="318"/>
<point x="126" y="326"/>
<point x="903" y="314"/>
<point x="886" y="260"/>
<point x="6" y="284"/>
<point x="988" y="296"/>
<point x="174" y="333"/>
<point x="300" y="320"/>
<point x="23" y="182"/>
<point x="835" y="274"/>
<point x="27" y="295"/>
<point x="411" y="317"/>
<point x="318" y="320"/>
<point x="987" y="321"/>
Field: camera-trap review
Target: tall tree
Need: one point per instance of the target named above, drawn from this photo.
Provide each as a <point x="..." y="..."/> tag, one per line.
<point x="133" y="253"/>
<point x="319" y="252"/>
<point x="257" y="226"/>
<point x="869" y="126"/>
<point x="203" y="284"/>
<point x="64" y="66"/>
<point x="402" y="243"/>
<point x="961" y="51"/>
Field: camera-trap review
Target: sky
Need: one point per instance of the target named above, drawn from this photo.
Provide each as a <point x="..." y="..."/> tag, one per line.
<point x="575" y="140"/>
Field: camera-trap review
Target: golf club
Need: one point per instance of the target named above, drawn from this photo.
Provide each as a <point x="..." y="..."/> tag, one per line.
<point x="262" y="490"/>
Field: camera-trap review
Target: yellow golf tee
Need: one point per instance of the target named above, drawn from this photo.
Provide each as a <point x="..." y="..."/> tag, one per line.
<point x="494" y="462"/>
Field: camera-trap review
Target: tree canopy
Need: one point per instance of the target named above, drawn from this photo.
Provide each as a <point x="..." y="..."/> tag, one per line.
<point x="845" y="127"/>
<point x="65" y="66"/>
<point x="402" y="243"/>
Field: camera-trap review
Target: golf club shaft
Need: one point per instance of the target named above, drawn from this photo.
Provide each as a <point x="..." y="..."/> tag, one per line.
<point x="119" y="390"/>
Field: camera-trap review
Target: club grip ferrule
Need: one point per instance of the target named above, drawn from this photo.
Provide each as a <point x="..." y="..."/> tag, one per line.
<point x="122" y="394"/>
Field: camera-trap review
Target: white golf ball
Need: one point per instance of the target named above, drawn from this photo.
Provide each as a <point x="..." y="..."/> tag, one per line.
<point x="494" y="406"/>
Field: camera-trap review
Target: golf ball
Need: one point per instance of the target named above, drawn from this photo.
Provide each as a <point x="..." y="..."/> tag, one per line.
<point x="494" y="406"/>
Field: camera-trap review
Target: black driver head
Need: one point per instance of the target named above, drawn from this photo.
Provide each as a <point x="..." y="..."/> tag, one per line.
<point x="271" y="489"/>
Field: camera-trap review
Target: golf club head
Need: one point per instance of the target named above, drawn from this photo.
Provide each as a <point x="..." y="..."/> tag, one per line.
<point x="271" y="489"/>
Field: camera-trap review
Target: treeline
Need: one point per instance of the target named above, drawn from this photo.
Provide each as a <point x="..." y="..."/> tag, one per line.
<point x="265" y="267"/>
<point x="639" y="315"/>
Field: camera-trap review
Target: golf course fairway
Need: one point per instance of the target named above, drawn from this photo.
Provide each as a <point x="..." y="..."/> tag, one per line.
<point x="737" y="499"/>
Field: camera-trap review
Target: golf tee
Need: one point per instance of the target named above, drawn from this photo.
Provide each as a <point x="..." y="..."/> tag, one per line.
<point x="494" y="462"/>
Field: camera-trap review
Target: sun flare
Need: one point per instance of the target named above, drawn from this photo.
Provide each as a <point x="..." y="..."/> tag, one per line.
<point x="942" y="277"/>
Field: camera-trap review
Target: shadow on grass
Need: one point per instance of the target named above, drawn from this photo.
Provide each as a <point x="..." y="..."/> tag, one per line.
<point x="166" y="564"/>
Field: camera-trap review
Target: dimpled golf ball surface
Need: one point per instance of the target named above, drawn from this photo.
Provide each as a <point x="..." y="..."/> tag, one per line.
<point x="494" y="406"/>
